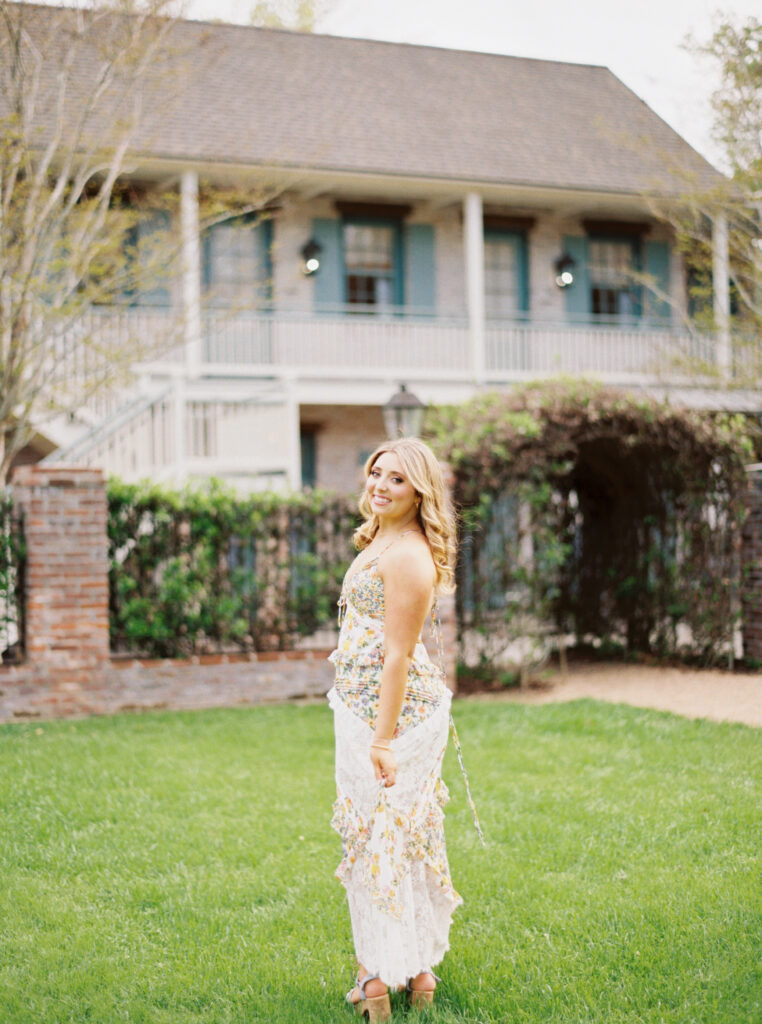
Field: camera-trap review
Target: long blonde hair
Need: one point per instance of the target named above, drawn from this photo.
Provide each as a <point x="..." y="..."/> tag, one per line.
<point x="435" y="515"/>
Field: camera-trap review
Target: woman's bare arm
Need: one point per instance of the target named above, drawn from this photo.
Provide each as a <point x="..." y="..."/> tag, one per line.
<point x="408" y="574"/>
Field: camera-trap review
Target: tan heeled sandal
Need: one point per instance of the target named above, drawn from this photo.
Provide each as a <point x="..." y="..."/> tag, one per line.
<point x="378" y="1008"/>
<point x="421" y="998"/>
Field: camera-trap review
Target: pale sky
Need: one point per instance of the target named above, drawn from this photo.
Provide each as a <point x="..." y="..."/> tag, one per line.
<point x="640" y="42"/>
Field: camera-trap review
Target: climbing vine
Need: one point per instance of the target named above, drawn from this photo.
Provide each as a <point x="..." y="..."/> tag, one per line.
<point x="208" y="569"/>
<point x="596" y="514"/>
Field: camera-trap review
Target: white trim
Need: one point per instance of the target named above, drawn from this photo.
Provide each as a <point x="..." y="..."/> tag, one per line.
<point x="473" y="240"/>
<point x="295" y="444"/>
<point x="191" y="270"/>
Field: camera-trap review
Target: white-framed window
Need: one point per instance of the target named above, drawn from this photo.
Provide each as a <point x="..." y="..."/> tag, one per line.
<point x="371" y="264"/>
<point x="236" y="263"/>
<point x="612" y="264"/>
<point x="505" y="275"/>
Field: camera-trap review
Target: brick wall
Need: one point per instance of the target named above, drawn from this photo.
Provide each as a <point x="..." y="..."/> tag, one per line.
<point x="68" y="668"/>
<point x="150" y="684"/>
<point x="751" y="562"/>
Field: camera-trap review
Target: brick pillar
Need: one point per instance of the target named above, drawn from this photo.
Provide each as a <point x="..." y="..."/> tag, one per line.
<point x="67" y="622"/>
<point x="751" y="567"/>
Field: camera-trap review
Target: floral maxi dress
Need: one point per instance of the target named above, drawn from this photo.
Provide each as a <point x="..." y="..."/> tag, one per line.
<point x="394" y="864"/>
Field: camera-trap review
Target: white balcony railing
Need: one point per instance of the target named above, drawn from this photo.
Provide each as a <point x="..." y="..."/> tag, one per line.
<point x="376" y="346"/>
<point x="350" y="344"/>
<point x="184" y="422"/>
<point x="619" y="353"/>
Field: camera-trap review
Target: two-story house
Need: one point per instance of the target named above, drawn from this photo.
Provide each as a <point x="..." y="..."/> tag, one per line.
<point x="451" y="220"/>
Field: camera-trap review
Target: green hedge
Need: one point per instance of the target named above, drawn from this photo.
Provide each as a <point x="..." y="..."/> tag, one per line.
<point x="12" y="561"/>
<point x="207" y="569"/>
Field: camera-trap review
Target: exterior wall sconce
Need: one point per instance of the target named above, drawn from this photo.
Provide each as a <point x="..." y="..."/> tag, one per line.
<point x="564" y="268"/>
<point x="403" y="414"/>
<point x="310" y="253"/>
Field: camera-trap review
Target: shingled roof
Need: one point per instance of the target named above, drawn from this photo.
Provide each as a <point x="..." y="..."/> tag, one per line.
<point x="263" y="97"/>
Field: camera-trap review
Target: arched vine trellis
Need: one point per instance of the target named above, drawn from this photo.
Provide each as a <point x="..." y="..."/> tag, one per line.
<point x="597" y="514"/>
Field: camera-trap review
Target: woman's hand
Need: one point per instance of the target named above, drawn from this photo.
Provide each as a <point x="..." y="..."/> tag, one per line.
<point x="384" y="765"/>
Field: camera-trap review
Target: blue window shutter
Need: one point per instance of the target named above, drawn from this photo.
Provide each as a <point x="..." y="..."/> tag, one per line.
<point x="265" y="249"/>
<point x="329" y="280"/>
<point x="657" y="268"/>
<point x="420" y="269"/>
<point x="577" y="295"/>
<point x="523" y="267"/>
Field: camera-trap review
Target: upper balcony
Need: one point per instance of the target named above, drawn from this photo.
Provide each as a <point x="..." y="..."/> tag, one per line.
<point x="198" y="410"/>
<point x="364" y="345"/>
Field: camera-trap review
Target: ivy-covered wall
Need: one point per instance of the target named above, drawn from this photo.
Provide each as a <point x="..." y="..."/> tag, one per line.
<point x="588" y="513"/>
<point x="207" y="569"/>
<point x="599" y="515"/>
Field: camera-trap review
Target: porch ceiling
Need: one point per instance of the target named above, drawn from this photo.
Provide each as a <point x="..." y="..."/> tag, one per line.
<point x="427" y="192"/>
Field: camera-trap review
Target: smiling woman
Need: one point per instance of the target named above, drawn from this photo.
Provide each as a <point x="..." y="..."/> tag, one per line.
<point x="391" y="497"/>
<point x="391" y="711"/>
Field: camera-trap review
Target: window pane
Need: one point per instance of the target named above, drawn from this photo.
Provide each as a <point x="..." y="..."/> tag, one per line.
<point x="236" y="270"/>
<point x="611" y="277"/>
<point x="371" y="274"/>
<point x="611" y="263"/>
<point x="605" y="301"/>
<point x="148" y="260"/>
<point x="361" y="289"/>
<point x="383" y="291"/>
<point x="368" y="247"/>
<point x="501" y="283"/>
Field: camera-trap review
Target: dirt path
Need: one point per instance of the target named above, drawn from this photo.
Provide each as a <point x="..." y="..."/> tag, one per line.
<point x="720" y="696"/>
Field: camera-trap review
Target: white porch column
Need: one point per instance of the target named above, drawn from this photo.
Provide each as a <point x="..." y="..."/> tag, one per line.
<point x="191" y="271"/>
<point x="295" y="444"/>
<point x="721" y="291"/>
<point x="473" y="239"/>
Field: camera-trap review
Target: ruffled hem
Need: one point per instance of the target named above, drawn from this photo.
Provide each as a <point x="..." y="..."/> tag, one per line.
<point x="398" y="949"/>
<point x="384" y="832"/>
<point x="384" y="847"/>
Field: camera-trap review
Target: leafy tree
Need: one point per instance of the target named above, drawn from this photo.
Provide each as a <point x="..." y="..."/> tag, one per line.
<point x="77" y="87"/>
<point x="297" y="14"/>
<point x="735" y="52"/>
<point x="67" y="235"/>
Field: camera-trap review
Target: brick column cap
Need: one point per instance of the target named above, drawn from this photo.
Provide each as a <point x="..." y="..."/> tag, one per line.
<point x="41" y="475"/>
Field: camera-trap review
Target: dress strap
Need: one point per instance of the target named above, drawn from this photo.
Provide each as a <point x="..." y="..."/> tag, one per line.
<point x="437" y="631"/>
<point x="365" y="565"/>
<point x="471" y="804"/>
<point x="392" y="541"/>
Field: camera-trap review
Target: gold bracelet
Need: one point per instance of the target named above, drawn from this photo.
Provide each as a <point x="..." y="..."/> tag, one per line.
<point x="382" y="745"/>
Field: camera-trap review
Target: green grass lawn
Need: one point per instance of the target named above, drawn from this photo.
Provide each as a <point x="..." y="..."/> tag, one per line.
<point x="179" y="868"/>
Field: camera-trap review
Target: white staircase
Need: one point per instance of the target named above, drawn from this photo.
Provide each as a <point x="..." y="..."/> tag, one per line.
<point x="185" y="430"/>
